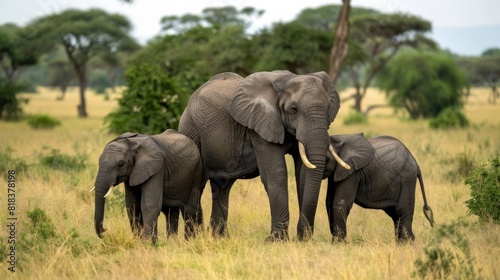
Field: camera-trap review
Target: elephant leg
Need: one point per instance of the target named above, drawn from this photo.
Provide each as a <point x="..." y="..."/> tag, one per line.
<point x="193" y="218"/>
<point x="402" y="231"/>
<point x="274" y="176"/>
<point x="151" y="205"/>
<point x="342" y="201"/>
<point x="133" y="206"/>
<point x="172" y="217"/>
<point x="220" y="205"/>
<point x="406" y="206"/>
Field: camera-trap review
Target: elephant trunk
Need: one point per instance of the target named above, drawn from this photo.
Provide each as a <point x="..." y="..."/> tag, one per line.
<point x="316" y="149"/>
<point x="102" y="186"/>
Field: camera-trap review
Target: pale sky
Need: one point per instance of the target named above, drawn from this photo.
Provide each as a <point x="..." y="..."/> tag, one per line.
<point x="463" y="26"/>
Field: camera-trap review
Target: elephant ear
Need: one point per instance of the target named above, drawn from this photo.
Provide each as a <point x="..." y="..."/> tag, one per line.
<point x="148" y="159"/>
<point x="355" y="150"/>
<point x="255" y="104"/>
<point x="333" y="96"/>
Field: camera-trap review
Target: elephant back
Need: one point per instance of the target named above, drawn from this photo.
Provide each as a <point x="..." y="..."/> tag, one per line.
<point x="391" y="151"/>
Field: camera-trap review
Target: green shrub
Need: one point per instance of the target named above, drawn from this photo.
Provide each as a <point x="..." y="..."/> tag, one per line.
<point x="355" y="118"/>
<point x="447" y="255"/>
<point x="41" y="224"/>
<point x="43" y="121"/>
<point x="8" y="162"/>
<point x="484" y="184"/>
<point x="56" y="160"/>
<point x="10" y="103"/>
<point x="449" y="118"/>
<point x="149" y="105"/>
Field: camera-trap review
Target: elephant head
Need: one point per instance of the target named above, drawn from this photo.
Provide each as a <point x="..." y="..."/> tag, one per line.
<point x="354" y="149"/>
<point x="277" y="103"/>
<point x="130" y="158"/>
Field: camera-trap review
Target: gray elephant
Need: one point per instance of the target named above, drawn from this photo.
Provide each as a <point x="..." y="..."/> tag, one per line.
<point x="245" y="126"/>
<point x="383" y="175"/>
<point x="161" y="173"/>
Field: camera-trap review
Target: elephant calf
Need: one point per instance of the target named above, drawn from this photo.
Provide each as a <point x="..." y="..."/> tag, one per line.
<point x="383" y="175"/>
<point x="161" y="173"/>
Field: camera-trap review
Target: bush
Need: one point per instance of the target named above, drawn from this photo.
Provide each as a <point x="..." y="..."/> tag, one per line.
<point x="41" y="224"/>
<point x="10" y="103"/>
<point x="354" y="118"/>
<point x="55" y="160"/>
<point x="43" y="121"/>
<point x="449" y="118"/>
<point x="448" y="255"/>
<point x="149" y="105"/>
<point x="8" y="162"/>
<point x="484" y="184"/>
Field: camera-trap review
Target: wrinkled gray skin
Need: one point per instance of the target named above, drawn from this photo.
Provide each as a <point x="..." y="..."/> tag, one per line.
<point x="161" y="173"/>
<point x="246" y="125"/>
<point x="383" y="176"/>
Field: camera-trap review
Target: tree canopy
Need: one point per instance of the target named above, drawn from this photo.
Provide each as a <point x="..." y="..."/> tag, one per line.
<point x="14" y="51"/>
<point x="84" y="35"/>
<point x="423" y="83"/>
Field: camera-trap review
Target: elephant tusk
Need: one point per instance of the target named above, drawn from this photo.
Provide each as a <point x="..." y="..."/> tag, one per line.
<point x="93" y="189"/>
<point x="303" y="156"/>
<point x="109" y="191"/>
<point x="337" y="158"/>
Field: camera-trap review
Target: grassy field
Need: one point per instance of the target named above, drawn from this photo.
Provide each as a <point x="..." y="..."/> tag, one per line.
<point x="62" y="243"/>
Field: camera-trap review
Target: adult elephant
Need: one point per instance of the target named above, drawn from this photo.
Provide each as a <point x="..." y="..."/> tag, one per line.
<point x="245" y="126"/>
<point x="161" y="172"/>
<point x="383" y="176"/>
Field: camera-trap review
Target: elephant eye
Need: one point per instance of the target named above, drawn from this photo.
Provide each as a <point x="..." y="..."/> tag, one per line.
<point x="121" y="163"/>
<point x="294" y="108"/>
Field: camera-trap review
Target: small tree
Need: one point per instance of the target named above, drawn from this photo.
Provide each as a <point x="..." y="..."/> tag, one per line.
<point x="423" y="83"/>
<point x="150" y="104"/>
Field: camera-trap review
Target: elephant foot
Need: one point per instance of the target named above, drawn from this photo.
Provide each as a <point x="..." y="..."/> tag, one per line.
<point x="278" y="236"/>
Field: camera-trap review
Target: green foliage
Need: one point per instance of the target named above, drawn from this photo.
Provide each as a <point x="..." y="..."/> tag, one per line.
<point x="9" y="162"/>
<point x="484" y="184"/>
<point x="325" y="17"/>
<point x="149" y="105"/>
<point x="54" y="159"/>
<point x="294" y="47"/>
<point x="10" y="103"/>
<point x="423" y="83"/>
<point x="15" y="50"/>
<point x="43" y="121"/>
<point x="355" y="118"/>
<point x="41" y="224"/>
<point x="448" y="255"/>
<point x="449" y="117"/>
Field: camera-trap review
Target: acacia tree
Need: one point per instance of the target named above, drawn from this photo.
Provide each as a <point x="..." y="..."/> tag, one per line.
<point x="84" y="35"/>
<point x="375" y="40"/>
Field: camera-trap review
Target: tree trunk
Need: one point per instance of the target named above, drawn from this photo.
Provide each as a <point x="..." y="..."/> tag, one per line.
<point x="340" y="47"/>
<point x="82" y="107"/>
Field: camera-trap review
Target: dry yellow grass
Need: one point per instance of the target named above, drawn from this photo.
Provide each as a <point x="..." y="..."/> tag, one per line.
<point x="370" y="253"/>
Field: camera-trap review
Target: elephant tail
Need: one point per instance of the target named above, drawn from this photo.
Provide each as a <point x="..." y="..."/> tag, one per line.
<point x="427" y="209"/>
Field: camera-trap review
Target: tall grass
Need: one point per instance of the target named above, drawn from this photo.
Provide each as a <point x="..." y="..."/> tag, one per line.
<point x="75" y="252"/>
